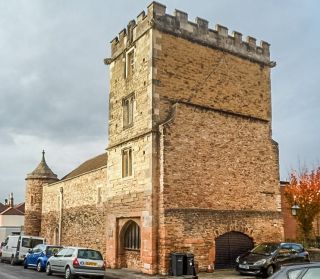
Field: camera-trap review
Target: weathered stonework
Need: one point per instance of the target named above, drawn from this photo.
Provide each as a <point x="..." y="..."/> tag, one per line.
<point x="203" y="160"/>
<point x="36" y="180"/>
<point x="74" y="205"/>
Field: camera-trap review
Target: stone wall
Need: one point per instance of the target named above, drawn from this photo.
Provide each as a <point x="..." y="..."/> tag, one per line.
<point x="201" y="136"/>
<point x="138" y="84"/>
<point x="132" y="197"/>
<point x="216" y="150"/>
<point x="210" y="158"/>
<point x="209" y="77"/>
<point x="83" y="221"/>
<point x="195" y="230"/>
<point x="33" y="205"/>
<point x="223" y="169"/>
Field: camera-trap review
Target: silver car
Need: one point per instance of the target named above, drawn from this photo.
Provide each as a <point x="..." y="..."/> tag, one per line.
<point x="76" y="261"/>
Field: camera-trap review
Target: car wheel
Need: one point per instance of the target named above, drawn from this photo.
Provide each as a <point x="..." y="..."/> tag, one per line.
<point x="12" y="261"/>
<point x="48" y="269"/>
<point x="39" y="267"/>
<point x="270" y="270"/>
<point x="68" y="274"/>
<point x="25" y="265"/>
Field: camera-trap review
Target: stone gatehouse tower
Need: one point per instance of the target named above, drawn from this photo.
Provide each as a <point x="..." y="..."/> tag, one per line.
<point x="190" y="164"/>
<point x="191" y="159"/>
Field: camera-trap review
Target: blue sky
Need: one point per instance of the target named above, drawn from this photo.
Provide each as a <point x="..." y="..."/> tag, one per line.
<point x="54" y="85"/>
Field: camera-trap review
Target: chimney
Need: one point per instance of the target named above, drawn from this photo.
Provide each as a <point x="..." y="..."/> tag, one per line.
<point x="11" y="200"/>
<point x="5" y="201"/>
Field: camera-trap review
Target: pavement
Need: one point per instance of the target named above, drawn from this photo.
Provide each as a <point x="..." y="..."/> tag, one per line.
<point x="216" y="274"/>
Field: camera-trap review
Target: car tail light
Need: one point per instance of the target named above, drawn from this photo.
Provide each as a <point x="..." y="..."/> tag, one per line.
<point x="75" y="263"/>
<point x="104" y="265"/>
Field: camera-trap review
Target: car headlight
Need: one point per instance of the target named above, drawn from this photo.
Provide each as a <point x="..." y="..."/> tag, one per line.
<point x="237" y="259"/>
<point x="260" y="262"/>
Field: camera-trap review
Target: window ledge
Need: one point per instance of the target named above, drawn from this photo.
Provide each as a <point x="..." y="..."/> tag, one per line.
<point x="132" y="250"/>
<point x="127" y="126"/>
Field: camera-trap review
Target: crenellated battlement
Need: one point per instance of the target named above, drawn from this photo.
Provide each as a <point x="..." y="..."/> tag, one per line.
<point x="198" y="31"/>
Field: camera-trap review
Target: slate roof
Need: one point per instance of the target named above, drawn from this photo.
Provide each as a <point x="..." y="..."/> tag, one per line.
<point x="89" y="165"/>
<point x="20" y="207"/>
<point x="16" y="210"/>
<point x="42" y="171"/>
<point x="11" y="211"/>
<point x="2" y="207"/>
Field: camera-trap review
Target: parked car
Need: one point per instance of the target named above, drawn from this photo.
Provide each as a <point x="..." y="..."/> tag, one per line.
<point x="298" y="271"/>
<point x="15" y="247"/>
<point x="1" y="247"/>
<point x="38" y="256"/>
<point x="75" y="261"/>
<point x="266" y="258"/>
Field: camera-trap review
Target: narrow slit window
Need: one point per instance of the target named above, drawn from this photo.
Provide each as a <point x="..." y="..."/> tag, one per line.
<point x="128" y="104"/>
<point x="126" y="162"/>
<point x="99" y="197"/>
<point x="130" y="63"/>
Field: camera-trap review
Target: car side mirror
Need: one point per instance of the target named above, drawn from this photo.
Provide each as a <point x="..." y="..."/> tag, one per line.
<point x="55" y="254"/>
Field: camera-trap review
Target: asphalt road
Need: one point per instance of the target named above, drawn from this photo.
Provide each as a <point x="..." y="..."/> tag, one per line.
<point x="8" y="271"/>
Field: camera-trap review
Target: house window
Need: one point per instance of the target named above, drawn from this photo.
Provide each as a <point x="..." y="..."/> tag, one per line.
<point x="132" y="237"/>
<point x="126" y="162"/>
<point x="130" y="62"/>
<point x="128" y="111"/>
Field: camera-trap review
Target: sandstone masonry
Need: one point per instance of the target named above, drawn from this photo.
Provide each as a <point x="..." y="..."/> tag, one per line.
<point x="190" y="166"/>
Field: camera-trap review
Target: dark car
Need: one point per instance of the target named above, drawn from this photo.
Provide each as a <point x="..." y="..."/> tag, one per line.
<point x="38" y="256"/>
<point x="298" y="271"/>
<point x="266" y="258"/>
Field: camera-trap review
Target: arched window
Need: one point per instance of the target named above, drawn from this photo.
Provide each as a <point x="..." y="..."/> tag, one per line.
<point x="132" y="237"/>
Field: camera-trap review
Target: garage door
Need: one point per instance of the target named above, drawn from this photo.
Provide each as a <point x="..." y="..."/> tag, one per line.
<point x="229" y="246"/>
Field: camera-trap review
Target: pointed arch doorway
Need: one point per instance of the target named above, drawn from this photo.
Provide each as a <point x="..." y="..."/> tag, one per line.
<point x="229" y="246"/>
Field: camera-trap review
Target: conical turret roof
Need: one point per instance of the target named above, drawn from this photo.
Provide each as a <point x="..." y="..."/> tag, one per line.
<point x="42" y="171"/>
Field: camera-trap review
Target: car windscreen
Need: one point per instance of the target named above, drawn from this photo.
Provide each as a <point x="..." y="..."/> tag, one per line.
<point x="89" y="254"/>
<point x="265" y="248"/>
<point x="30" y="242"/>
<point x="51" y="250"/>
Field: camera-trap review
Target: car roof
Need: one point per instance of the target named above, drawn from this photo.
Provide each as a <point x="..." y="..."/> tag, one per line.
<point x="293" y="266"/>
<point x="80" y="248"/>
<point x="281" y="243"/>
<point x="287" y="267"/>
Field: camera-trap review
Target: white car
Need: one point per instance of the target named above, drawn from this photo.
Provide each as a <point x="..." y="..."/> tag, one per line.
<point x="76" y="261"/>
<point x="15" y="247"/>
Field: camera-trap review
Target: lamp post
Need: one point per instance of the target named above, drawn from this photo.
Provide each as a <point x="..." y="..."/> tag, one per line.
<point x="294" y="209"/>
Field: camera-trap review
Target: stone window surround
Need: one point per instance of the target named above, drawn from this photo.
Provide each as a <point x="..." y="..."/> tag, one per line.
<point x="126" y="156"/>
<point x="130" y="61"/>
<point x="132" y="237"/>
<point x="127" y="110"/>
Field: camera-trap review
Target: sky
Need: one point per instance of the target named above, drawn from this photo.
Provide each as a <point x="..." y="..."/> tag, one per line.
<point x="54" y="84"/>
